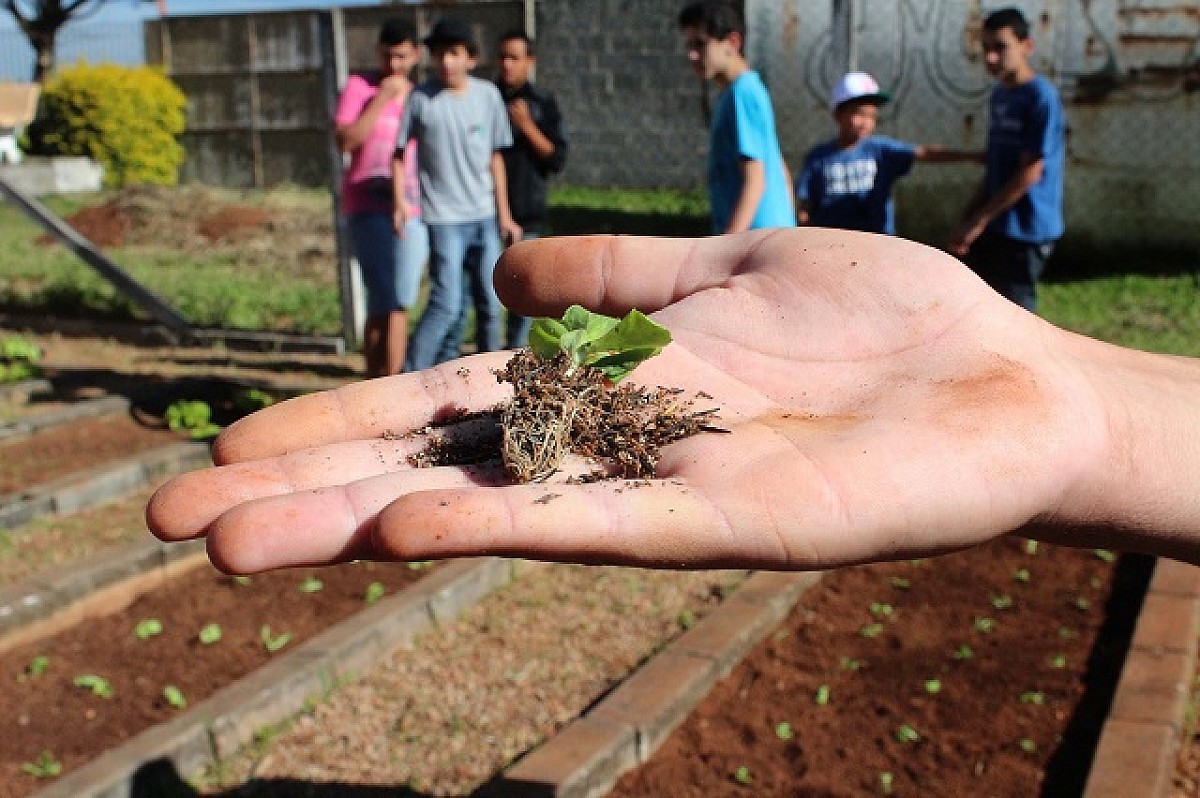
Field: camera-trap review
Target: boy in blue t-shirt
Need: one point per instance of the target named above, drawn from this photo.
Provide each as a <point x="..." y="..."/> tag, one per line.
<point x="847" y="182"/>
<point x="1010" y="226"/>
<point x="749" y="185"/>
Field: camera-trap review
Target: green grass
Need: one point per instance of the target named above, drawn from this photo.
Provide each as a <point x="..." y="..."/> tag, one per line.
<point x="216" y="287"/>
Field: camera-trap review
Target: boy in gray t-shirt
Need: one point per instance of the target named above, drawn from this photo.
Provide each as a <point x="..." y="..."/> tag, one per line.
<point x="460" y="125"/>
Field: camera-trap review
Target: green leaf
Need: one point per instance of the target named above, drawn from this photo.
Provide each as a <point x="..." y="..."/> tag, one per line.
<point x="312" y="585"/>
<point x="822" y="697"/>
<point x="907" y="734"/>
<point x="784" y="731"/>
<point x="148" y="628"/>
<point x="210" y="634"/>
<point x="174" y="696"/>
<point x="273" y="643"/>
<point x="742" y="775"/>
<point x="597" y="341"/>
<point x="933" y="686"/>
<point x="46" y="766"/>
<point x="99" y="686"/>
<point x="544" y="335"/>
<point x="375" y="592"/>
<point x="39" y="665"/>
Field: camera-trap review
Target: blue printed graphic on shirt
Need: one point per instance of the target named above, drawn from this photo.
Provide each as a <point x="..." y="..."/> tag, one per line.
<point x="1027" y="120"/>
<point x="851" y="188"/>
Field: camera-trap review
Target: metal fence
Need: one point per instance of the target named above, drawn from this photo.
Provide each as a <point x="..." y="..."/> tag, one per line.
<point x="261" y="87"/>
<point x="1128" y="70"/>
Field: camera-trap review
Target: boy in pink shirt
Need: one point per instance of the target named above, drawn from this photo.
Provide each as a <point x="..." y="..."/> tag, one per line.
<point x="367" y="120"/>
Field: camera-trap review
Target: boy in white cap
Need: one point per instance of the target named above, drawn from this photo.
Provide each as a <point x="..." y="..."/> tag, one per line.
<point x="847" y="182"/>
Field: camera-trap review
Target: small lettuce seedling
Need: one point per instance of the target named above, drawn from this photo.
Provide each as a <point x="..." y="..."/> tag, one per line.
<point x="46" y="766"/>
<point x="174" y="696"/>
<point x="210" y="634"/>
<point x="601" y="342"/>
<point x="99" y="686"/>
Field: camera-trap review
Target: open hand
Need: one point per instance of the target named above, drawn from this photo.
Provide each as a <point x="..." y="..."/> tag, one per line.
<point x="883" y="402"/>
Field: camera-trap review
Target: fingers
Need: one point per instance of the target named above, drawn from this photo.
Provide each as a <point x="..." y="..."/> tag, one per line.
<point x="612" y="274"/>
<point x="652" y="524"/>
<point x="184" y="507"/>
<point x="365" y="410"/>
<point x="322" y="526"/>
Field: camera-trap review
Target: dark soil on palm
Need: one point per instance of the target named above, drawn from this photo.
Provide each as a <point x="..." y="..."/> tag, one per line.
<point x="1020" y="717"/>
<point x="49" y="713"/>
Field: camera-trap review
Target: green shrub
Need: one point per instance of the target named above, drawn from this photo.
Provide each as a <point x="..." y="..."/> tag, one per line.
<point x="128" y="119"/>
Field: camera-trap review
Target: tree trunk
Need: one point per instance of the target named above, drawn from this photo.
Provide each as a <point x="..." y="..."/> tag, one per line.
<point x="43" y="62"/>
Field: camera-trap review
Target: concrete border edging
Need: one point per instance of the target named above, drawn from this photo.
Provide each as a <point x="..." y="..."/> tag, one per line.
<point x="227" y="720"/>
<point x="622" y="731"/>
<point x="99" y="407"/>
<point x="100" y="484"/>
<point x="1146" y="723"/>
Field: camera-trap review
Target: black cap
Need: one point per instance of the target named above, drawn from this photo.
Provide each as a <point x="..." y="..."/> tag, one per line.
<point x="450" y="30"/>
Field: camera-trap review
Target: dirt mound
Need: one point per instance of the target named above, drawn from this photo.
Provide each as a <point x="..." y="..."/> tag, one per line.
<point x="234" y="223"/>
<point x="104" y="225"/>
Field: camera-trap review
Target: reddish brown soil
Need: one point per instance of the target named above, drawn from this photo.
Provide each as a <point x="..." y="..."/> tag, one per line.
<point x="234" y="223"/>
<point x="106" y="225"/>
<point x="60" y="451"/>
<point x="49" y="713"/>
<point x="971" y="731"/>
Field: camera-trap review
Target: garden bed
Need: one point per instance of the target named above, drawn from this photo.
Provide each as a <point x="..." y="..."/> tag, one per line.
<point x="985" y="672"/>
<point x="55" y="717"/>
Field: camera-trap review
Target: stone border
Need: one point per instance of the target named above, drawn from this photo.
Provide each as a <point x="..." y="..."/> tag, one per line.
<point x="51" y="601"/>
<point x="1148" y="718"/>
<point x="109" y="405"/>
<point x="623" y="730"/>
<point x="217" y="727"/>
<point x="103" y="483"/>
<point x="23" y="390"/>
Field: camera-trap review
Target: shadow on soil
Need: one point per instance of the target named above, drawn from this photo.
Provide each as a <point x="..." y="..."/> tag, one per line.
<point x="1068" y="768"/>
<point x="160" y="779"/>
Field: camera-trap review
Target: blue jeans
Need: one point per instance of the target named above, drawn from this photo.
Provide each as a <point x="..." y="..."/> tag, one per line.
<point x="391" y="266"/>
<point x="518" y="325"/>
<point x="1009" y="266"/>
<point x="455" y="249"/>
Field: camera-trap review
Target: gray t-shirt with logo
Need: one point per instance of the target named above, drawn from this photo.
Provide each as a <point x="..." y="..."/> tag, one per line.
<point x="456" y="135"/>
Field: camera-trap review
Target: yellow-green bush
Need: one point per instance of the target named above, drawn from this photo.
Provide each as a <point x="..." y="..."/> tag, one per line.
<point x="128" y="119"/>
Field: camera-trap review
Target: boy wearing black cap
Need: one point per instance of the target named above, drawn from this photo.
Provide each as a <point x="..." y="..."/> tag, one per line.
<point x="460" y="125"/>
<point x="847" y="182"/>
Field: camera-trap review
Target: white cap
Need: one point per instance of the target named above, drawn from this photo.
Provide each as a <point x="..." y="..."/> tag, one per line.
<point x="857" y="86"/>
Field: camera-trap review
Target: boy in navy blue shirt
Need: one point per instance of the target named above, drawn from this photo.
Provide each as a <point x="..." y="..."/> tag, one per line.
<point x="1010" y="226"/>
<point x="847" y="182"/>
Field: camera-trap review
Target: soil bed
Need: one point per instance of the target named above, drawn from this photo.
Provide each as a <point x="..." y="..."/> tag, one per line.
<point x="48" y="712"/>
<point x="875" y="652"/>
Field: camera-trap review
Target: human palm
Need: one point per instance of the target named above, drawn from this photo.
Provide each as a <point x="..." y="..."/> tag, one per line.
<point x="881" y="402"/>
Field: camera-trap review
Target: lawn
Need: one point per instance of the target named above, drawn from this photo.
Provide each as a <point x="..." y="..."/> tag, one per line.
<point x="280" y="274"/>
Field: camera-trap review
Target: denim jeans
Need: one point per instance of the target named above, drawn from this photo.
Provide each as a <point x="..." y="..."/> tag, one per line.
<point x="1009" y="266"/>
<point x="391" y="266"/>
<point x="518" y="326"/>
<point x="457" y="249"/>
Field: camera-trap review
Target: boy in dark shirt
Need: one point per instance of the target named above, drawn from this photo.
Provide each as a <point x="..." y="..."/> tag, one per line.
<point x="539" y="148"/>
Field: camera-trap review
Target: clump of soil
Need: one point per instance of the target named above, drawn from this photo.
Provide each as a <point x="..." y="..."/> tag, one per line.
<point x="234" y="223"/>
<point x="556" y="411"/>
<point x="106" y="225"/>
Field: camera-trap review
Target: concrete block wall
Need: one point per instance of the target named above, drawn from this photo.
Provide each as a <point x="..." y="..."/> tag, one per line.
<point x="630" y="101"/>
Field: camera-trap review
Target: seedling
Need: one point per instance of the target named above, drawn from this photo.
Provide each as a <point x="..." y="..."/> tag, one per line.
<point x="1105" y="555"/>
<point x="1028" y="746"/>
<point x="420" y="565"/>
<point x="742" y="775"/>
<point x="193" y="417"/>
<point x="375" y="591"/>
<point x="174" y="696"/>
<point x="312" y="585"/>
<point x="871" y="630"/>
<point x="985" y="625"/>
<point x="933" y="686"/>
<point x="46" y="766"/>
<point x="687" y="619"/>
<point x="1002" y="602"/>
<point x="1058" y="661"/>
<point x="1082" y="604"/>
<point x="851" y="664"/>
<point x="1035" y="697"/>
<point x="1022" y="575"/>
<point x="210" y="634"/>
<point x="1031" y="547"/>
<point x="38" y="666"/>
<point x="99" y="686"/>
<point x="241" y="580"/>
<point x="885" y="782"/>
<point x="614" y="348"/>
<point x="273" y="643"/>
<point x="784" y="731"/>
<point x="882" y="610"/>
<point x="822" y="697"/>
<point x="900" y="583"/>
<point x="147" y="628"/>
<point x="907" y="734"/>
<point x="964" y="652"/>
<point x="18" y="360"/>
<point x="251" y="400"/>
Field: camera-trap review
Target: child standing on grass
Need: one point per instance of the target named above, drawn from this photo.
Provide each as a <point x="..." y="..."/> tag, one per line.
<point x="847" y="182"/>
<point x="460" y="125"/>
<point x="367" y="118"/>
